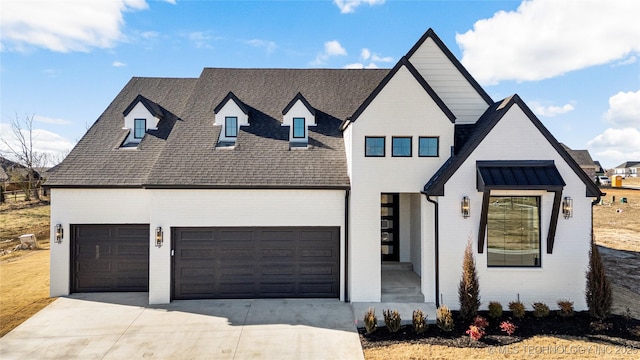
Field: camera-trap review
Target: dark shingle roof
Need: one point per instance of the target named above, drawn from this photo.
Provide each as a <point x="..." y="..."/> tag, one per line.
<point x="183" y="153"/>
<point x="582" y="157"/>
<point x="628" y="164"/>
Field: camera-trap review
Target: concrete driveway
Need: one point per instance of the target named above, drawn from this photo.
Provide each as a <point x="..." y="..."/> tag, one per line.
<point x="122" y="326"/>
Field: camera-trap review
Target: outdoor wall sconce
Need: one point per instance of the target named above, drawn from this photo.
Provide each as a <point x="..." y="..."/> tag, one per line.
<point x="465" y="207"/>
<point x="59" y="233"/>
<point x="567" y="207"/>
<point x="159" y="239"/>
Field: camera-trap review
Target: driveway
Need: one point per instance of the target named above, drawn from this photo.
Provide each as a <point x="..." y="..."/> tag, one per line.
<point x="123" y="326"/>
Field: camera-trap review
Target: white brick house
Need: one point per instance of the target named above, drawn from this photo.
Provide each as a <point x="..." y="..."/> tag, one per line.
<point x="250" y="183"/>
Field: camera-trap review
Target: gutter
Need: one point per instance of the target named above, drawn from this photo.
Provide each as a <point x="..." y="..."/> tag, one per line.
<point x="437" y="251"/>
<point x="346" y="245"/>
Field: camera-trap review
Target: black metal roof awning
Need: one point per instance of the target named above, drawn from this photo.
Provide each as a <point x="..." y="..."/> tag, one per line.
<point x="518" y="175"/>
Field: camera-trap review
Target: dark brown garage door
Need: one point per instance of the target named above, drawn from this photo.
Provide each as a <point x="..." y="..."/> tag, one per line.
<point x="271" y="262"/>
<point x="110" y="258"/>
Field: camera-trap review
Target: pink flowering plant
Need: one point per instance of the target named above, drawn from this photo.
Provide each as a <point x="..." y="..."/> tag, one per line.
<point x="475" y="332"/>
<point x="508" y="327"/>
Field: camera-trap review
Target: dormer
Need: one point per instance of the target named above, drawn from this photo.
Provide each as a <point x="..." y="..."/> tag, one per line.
<point x="298" y="115"/>
<point x="230" y="114"/>
<point x="141" y="115"/>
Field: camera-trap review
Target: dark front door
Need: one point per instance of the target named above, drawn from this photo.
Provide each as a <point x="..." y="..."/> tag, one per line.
<point x="389" y="227"/>
<point x="110" y="258"/>
<point x="256" y="262"/>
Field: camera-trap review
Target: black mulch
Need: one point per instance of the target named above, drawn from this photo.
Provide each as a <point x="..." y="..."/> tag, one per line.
<point x="615" y="330"/>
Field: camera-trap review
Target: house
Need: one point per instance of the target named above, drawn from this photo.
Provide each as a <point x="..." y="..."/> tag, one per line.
<point x="583" y="158"/>
<point x="599" y="169"/>
<point x="15" y="176"/>
<point x="302" y="183"/>
<point x="628" y="169"/>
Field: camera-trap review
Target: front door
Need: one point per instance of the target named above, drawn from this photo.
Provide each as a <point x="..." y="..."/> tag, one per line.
<point x="389" y="227"/>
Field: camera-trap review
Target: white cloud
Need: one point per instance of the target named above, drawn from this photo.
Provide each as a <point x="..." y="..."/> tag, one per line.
<point x="624" y="109"/>
<point x="44" y="141"/>
<point x="118" y="64"/>
<point x="269" y="46"/>
<point x="547" y="38"/>
<point x="631" y="60"/>
<point x="48" y="120"/>
<point x="331" y="48"/>
<point x="201" y="39"/>
<point x="365" y="54"/>
<point x="550" y="110"/>
<point x="173" y="2"/>
<point x="349" y="6"/>
<point x="64" y="26"/>
<point x="150" y="34"/>
<point x="361" y="66"/>
<point x="386" y="59"/>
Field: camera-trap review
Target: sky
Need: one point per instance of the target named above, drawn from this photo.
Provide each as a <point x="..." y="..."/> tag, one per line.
<point x="574" y="62"/>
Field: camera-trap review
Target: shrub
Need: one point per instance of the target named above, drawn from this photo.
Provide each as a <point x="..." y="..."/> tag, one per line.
<point x="444" y="318"/>
<point x="475" y="332"/>
<point x="508" y="327"/>
<point x="598" y="292"/>
<point x="495" y="309"/>
<point x="566" y="308"/>
<point x="419" y="322"/>
<point x="469" y="287"/>
<point x="540" y="310"/>
<point x="392" y="320"/>
<point x="479" y="321"/>
<point x="370" y="320"/>
<point x="517" y="308"/>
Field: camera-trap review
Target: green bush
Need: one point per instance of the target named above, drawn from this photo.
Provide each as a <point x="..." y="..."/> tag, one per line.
<point x="444" y="318"/>
<point x="392" y="320"/>
<point x="517" y="308"/>
<point x="540" y="309"/>
<point x="495" y="309"/>
<point x="469" y="287"/>
<point x="566" y="308"/>
<point x="420" y="321"/>
<point x="370" y="320"/>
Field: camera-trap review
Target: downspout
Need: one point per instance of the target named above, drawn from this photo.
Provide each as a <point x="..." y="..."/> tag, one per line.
<point x="346" y="245"/>
<point x="437" y="260"/>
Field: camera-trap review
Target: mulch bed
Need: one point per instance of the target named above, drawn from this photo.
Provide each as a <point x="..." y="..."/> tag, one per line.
<point x="615" y="330"/>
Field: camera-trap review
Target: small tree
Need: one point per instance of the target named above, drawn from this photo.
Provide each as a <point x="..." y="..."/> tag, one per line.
<point x="469" y="287"/>
<point x="598" y="292"/>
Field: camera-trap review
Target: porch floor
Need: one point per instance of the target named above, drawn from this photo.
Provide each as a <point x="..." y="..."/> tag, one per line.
<point x="400" y="284"/>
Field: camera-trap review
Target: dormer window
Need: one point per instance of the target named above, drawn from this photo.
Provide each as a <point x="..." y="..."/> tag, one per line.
<point x="231" y="126"/>
<point x="139" y="117"/>
<point x="299" y="128"/>
<point x="230" y="114"/>
<point x="298" y="115"/>
<point x="139" y="128"/>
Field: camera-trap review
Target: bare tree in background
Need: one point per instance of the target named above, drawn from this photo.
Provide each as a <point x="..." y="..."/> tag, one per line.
<point x="23" y="152"/>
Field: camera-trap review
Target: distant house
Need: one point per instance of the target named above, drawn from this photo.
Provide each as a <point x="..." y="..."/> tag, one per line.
<point x="583" y="158"/>
<point x="311" y="183"/>
<point x="599" y="168"/>
<point x="13" y="174"/>
<point x="628" y="169"/>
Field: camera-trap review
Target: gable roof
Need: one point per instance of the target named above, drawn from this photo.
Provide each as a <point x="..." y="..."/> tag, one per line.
<point x="182" y="153"/>
<point x="432" y="34"/>
<point x="495" y="112"/>
<point x="404" y="61"/>
<point x="155" y="109"/>
<point x="304" y="102"/>
<point x="234" y="98"/>
<point x="628" y="164"/>
<point x="582" y="157"/>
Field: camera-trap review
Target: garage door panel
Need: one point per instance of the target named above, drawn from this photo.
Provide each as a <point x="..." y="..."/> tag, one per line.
<point x="110" y="257"/>
<point x="258" y="262"/>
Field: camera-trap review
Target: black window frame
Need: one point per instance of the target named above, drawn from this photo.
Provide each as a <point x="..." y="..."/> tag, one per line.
<point x="539" y="210"/>
<point x="227" y="127"/>
<point x="437" y="138"/>
<point x="293" y="125"/>
<point x="394" y="138"/>
<point x="384" y="146"/>
<point x="135" y="128"/>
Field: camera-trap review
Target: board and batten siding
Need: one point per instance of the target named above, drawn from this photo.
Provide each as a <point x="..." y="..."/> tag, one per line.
<point x="447" y="81"/>
<point x="401" y="108"/>
<point x="562" y="274"/>
<point x="186" y="208"/>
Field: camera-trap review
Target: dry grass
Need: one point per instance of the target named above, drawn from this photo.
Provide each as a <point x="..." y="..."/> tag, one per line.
<point x="616" y="225"/>
<point x="23" y="218"/>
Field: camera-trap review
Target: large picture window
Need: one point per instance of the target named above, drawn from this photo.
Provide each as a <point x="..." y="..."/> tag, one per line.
<point x="513" y="231"/>
<point x="374" y="146"/>
<point x="231" y="126"/>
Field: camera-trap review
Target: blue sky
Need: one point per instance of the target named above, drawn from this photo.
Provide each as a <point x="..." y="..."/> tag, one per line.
<point x="575" y="62"/>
